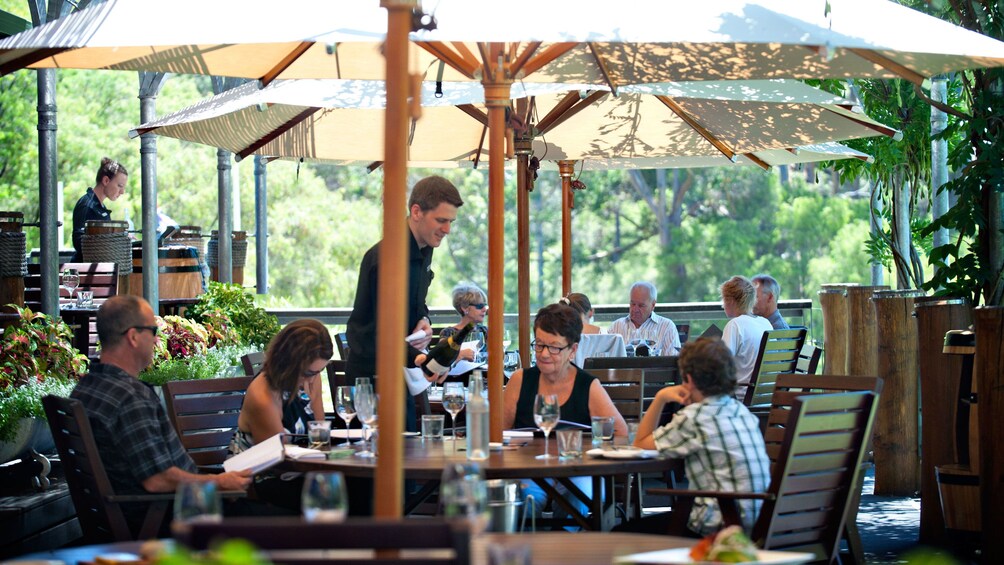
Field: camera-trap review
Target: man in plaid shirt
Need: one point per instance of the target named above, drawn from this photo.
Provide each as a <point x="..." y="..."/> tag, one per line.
<point x="140" y="449"/>
<point x="717" y="437"/>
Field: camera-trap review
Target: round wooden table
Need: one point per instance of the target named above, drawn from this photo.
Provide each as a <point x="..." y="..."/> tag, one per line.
<point x="424" y="460"/>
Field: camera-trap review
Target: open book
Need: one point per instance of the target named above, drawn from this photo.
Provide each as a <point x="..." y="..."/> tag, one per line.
<point x="268" y="453"/>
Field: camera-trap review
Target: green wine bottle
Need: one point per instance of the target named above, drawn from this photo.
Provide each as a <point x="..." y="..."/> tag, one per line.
<point x="442" y="356"/>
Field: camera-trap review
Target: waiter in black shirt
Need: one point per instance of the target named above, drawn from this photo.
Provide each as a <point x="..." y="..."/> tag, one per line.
<point x="432" y="209"/>
<point x="109" y="184"/>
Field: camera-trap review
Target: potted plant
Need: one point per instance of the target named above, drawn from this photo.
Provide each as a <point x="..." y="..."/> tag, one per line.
<point x="36" y="359"/>
<point x="230" y="302"/>
<point x="188" y="350"/>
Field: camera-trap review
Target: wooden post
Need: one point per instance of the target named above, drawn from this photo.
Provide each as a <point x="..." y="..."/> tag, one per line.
<point x="497" y="86"/>
<point x="833" y="300"/>
<point x="939" y="387"/>
<point x="988" y="372"/>
<point x="862" y="352"/>
<point x="895" y="443"/>
<point x="524" y="184"/>
<point x="565" y="171"/>
<point x="393" y="274"/>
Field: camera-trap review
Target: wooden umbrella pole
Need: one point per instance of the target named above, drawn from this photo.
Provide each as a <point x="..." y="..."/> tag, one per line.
<point x="497" y="100"/>
<point x="393" y="274"/>
<point x="565" y="171"/>
<point x="524" y="184"/>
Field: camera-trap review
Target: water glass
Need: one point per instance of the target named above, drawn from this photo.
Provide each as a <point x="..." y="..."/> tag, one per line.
<point x="432" y="426"/>
<point x="509" y="554"/>
<point x="466" y="498"/>
<point x="570" y="444"/>
<point x="85" y="299"/>
<point x="319" y="433"/>
<point x="603" y="429"/>
<point x="324" y="498"/>
<point x="632" y="432"/>
<point x="196" y="501"/>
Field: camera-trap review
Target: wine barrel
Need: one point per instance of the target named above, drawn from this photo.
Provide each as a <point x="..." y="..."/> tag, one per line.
<point x="939" y="389"/>
<point x="239" y="253"/>
<point x="190" y="236"/>
<point x="895" y="443"/>
<point x="862" y="349"/>
<point x="13" y="265"/>
<point x="959" y="492"/>
<point x="833" y="300"/>
<point x="988" y="372"/>
<point x="108" y="242"/>
<point x="179" y="274"/>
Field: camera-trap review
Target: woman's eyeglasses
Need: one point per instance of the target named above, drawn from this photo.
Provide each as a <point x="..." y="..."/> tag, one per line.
<point x="479" y="305"/>
<point x="308" y="373"/>
<point x="552" y="349"/>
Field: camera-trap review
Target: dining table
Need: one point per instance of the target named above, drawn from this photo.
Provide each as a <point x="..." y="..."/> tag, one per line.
<point x="545" y="548"/>
<point x="424" y="461"/>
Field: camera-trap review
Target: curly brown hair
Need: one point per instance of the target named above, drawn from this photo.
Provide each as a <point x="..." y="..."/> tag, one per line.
<point x="710" y="365"/>
<point x="293" y="350"/>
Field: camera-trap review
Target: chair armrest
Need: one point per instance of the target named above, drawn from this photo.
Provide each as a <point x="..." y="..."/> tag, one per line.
<point x="721" y="495"/>
<point x="153" y="497"/>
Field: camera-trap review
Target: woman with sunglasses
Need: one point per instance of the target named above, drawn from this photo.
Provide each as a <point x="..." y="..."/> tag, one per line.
<point x="472" y="305"/>
<point x="274" y="402"/>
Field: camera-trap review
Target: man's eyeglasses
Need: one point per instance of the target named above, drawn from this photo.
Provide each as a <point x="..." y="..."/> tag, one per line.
<point x="308" y="373"/>
<point x="552" y="349"/>
<point x="153" y="329"/>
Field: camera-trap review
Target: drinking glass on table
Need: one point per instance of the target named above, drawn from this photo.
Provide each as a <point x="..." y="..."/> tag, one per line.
<point x="546" y="412"/>
<point x="324" y="498"/>
<point x="344" y="406"/>
<point x="506" y="340"/>
<point x="454" y="399"/>
<point x="463" y="494"/>
<point x="366" y="410"/>
<point x="196" y="501"/>
<point x="71" y="280"/>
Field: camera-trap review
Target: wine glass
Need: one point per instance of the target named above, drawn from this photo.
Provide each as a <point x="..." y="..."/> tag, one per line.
<point x="71" y="280"/>
<point x="506" y="340"/>
<point x="546" y="412"/>
<point x="344" y="407"/>
<point x="324" y="498"/>
<point x="366" y="410"/>
<point x="453" y="401"/>
<point x="466" y="498"/>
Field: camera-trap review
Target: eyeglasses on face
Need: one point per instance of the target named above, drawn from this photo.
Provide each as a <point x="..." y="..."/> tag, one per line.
<point x="552" y="349"/>
<point x="308" y="373"/>
<point x="153" y="329"/>
<point x="479" y="305"/>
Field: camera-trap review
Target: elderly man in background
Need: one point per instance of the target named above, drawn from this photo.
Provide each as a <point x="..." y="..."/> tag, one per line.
<point x="136" y="442"/>
<point x="767" y="293"/>
<point x="644" y="322"/>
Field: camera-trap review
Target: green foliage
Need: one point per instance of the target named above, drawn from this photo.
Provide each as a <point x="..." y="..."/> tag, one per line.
<point x="36" y="359"/>
<point x="229" y="552"/>
<point x="253" y="325"/>
<point x="215" y="362"/>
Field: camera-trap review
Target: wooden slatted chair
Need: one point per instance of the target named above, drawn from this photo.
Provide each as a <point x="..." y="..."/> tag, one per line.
<point x="808" y="359"/>
<point x="626" y="388"/>
<point x="779" y="350"/>
<point x="789" y="387"/>
<point x="252" y="362"/>
<point x="684" y="331"/>
<point x="659" y="371"/>
<point x="342" y="342"/>
<point x="204" y="413"/>
<point x="812" y="483"/>
<point x="427" y="541"/>
<point x="98" y="507"/>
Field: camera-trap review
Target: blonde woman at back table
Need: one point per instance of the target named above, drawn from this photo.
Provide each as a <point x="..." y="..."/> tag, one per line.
<point x="744" y="330"/>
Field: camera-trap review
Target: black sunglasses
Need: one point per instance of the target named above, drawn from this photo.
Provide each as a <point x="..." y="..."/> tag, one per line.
<point x="479" y="305"/>
<point x="308" y="373"/>
<point x="153" y="329"/>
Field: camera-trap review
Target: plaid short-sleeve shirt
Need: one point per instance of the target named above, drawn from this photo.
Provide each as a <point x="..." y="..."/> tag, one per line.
<point x="723" y="449"/>
<point x="134" y="436"/>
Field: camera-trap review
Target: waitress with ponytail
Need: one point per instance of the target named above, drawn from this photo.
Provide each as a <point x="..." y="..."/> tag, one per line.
<point x="109" y="183"/>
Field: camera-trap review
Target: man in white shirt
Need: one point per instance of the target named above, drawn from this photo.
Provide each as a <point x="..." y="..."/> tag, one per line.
<point x="644" y="322"/>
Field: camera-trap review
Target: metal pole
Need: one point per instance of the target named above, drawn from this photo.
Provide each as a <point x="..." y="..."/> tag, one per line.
<point x="149" y="87"/>
<point x="261" y="223"/>
<point x="939" y="158"/>
<point x="224" y="247"/>
<point x="876" y="227"/>
<point x="47" y="154"/>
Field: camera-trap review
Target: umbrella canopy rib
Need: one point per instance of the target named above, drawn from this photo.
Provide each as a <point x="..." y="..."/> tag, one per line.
<point x="264" y="140"/>
<point x="570" y="105"/>
<point x="890" y="65"/>
<point x="285" y="62"/>
<point x="601" y="64"/>
<point x="693" y="123"/>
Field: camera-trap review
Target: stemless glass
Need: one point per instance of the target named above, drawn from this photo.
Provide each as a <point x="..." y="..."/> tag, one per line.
<point x="453" y="402"/>
<point x="366" y="408"/>
<point x="324" y="498"/>
<point x="345" y="408"/>
<point x="196" y="501"/>
<point x="71" y="280"/>
<point x="546" y="412"/>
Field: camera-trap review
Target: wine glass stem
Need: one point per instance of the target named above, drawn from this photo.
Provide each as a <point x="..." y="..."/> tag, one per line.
<point x="547" y="443"/>
<point x="453" y="425"/>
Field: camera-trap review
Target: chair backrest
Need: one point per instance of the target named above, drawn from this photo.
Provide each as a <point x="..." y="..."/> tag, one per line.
<point x="808" y="359"/>
<point x="684" y="331"/>
<point x="342" y="342"/>
<point x="791" y="386"/>
<point x="626" y="388"/>
<point x="204" y="413"/>
<point x="287" y="533"/>
<point x="85" y="473"/>
<point x="599" y="345"/>
<point x="336" y="376"/>
<point x="817" y="468"/>
<point x="100" y="278"/>
<point x="252" y="362"/>
<point x="779" y="350"/>
<point x="659" y="371"/>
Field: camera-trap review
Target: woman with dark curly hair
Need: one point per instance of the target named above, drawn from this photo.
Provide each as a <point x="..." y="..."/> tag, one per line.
<point x="275" y="404"/>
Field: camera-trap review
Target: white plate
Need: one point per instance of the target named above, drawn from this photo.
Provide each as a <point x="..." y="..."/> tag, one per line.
<point x="623" y="453"/>
<point x="681" y="556"/>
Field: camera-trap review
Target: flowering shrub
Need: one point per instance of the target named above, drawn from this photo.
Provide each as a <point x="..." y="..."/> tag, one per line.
<point x="36" y="358"/>
<point x="180" y="338"/>
<point x="220" y="328"/>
